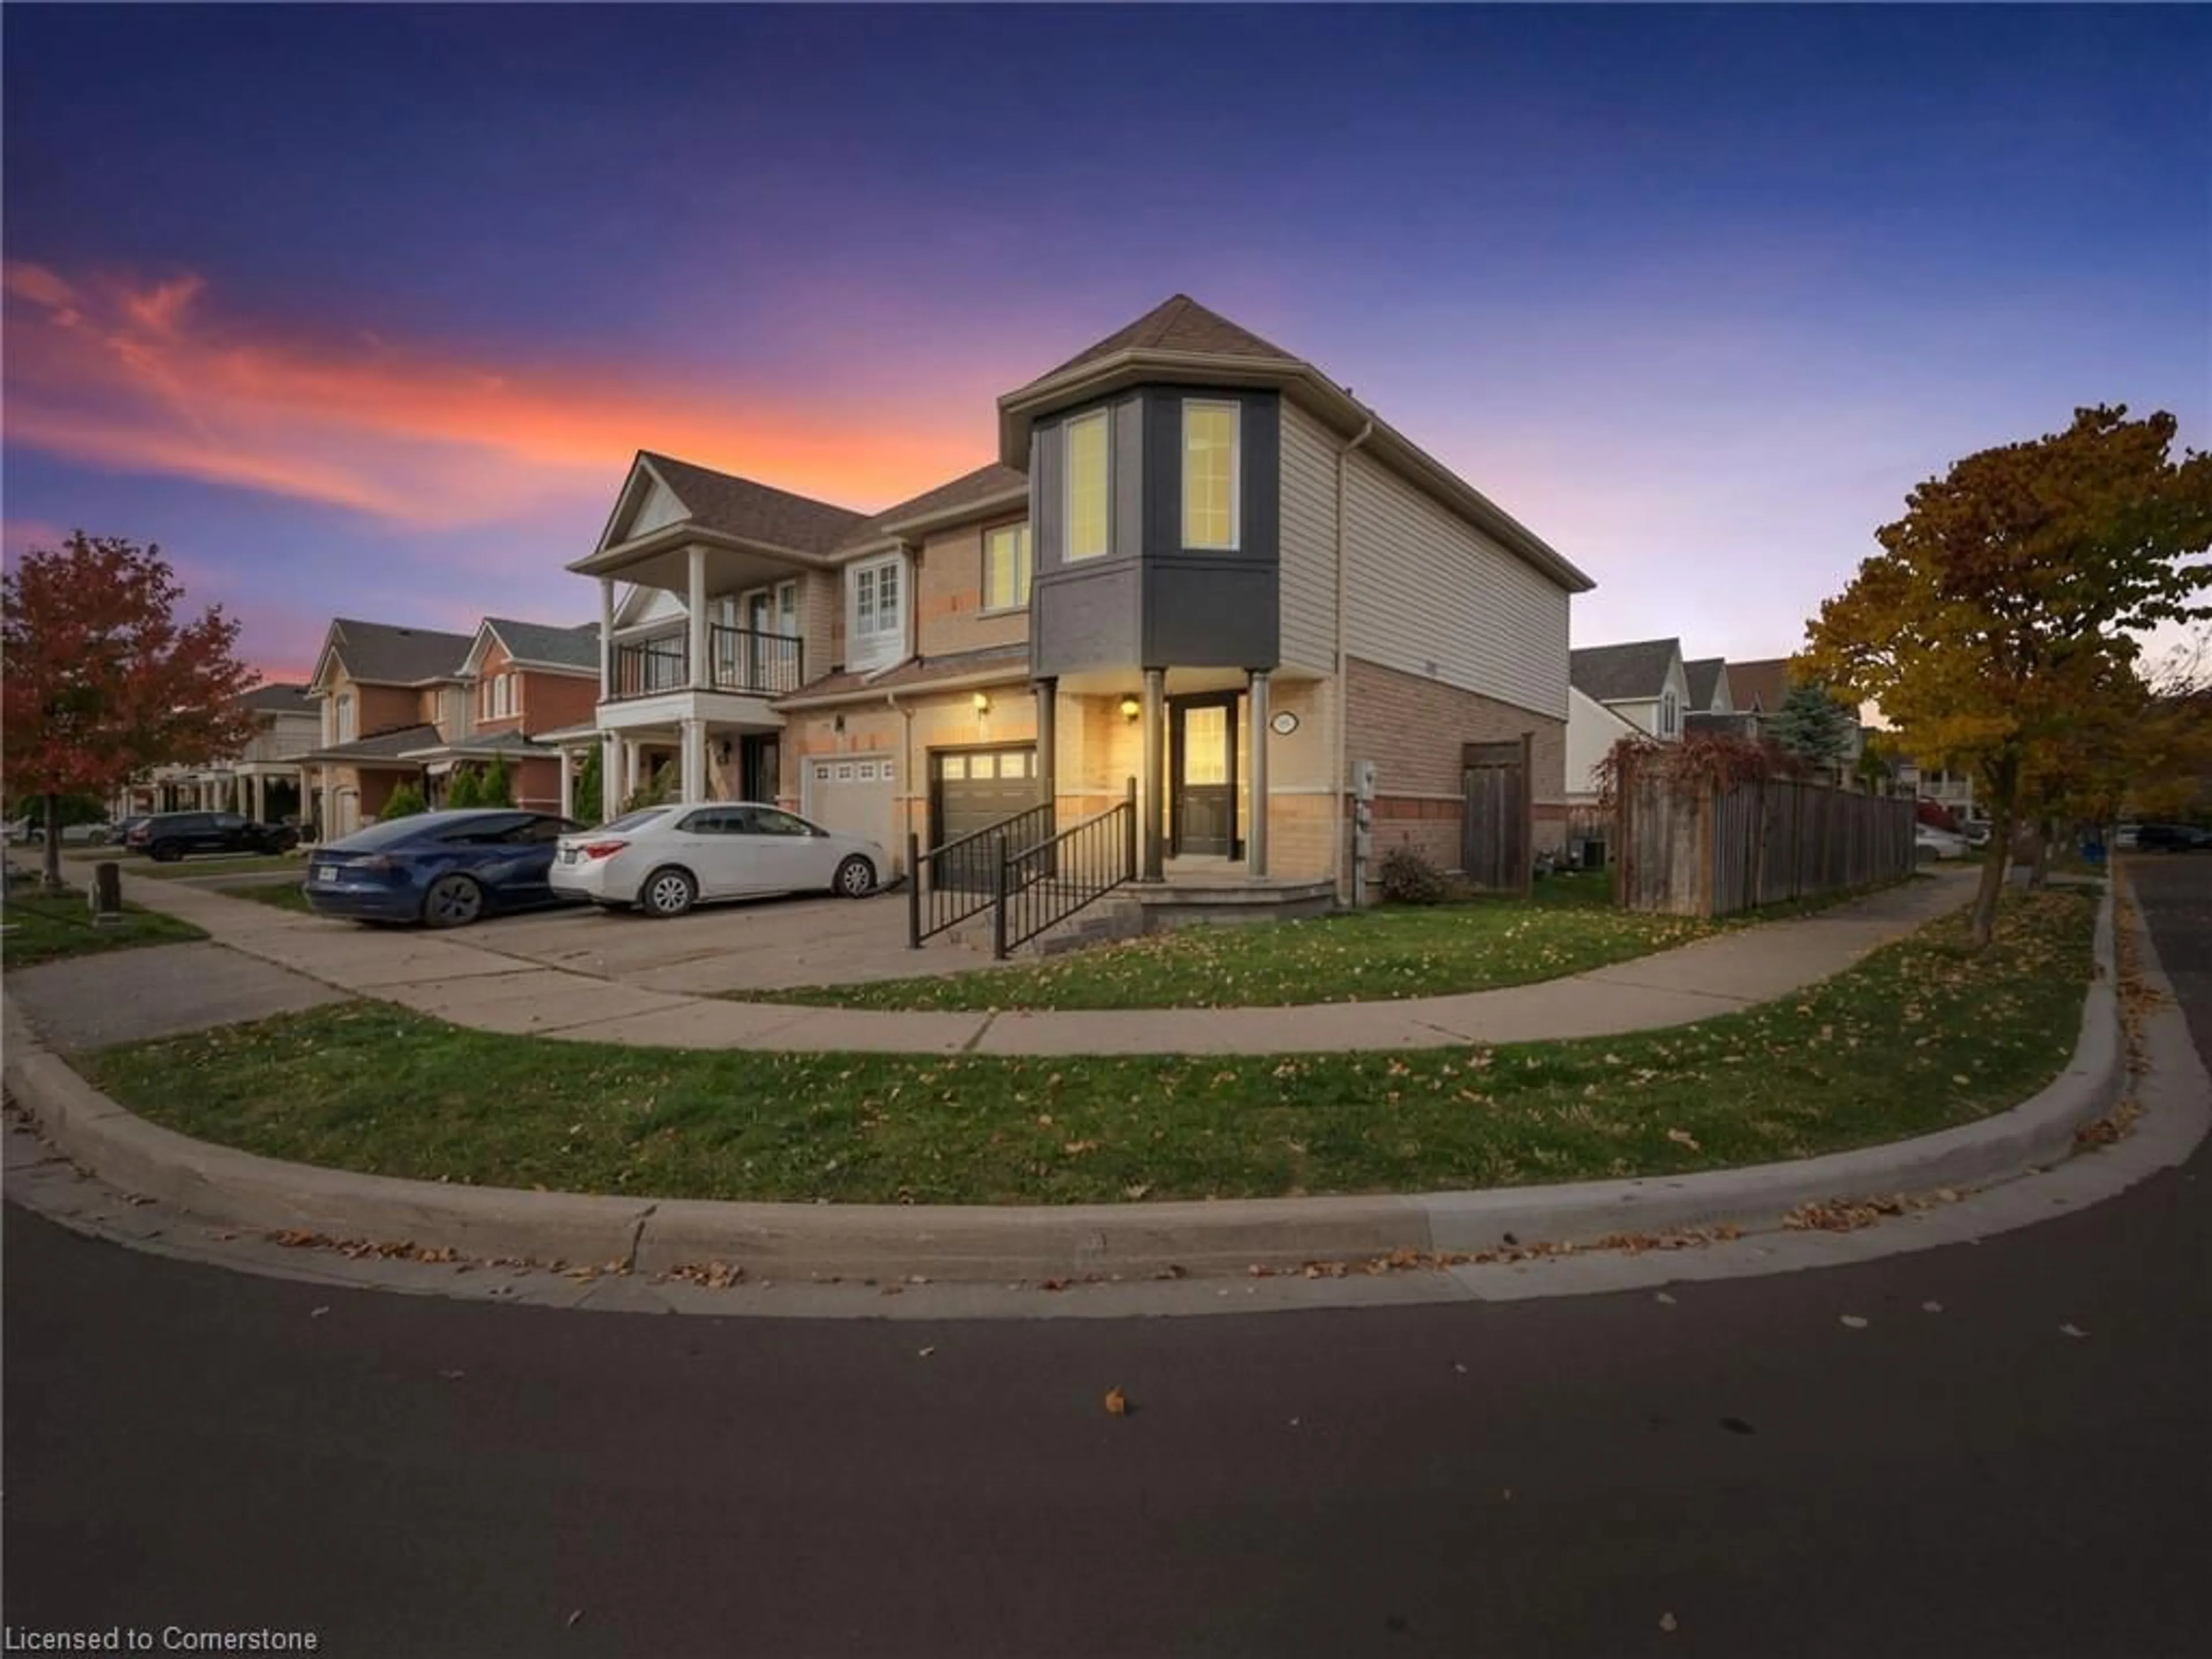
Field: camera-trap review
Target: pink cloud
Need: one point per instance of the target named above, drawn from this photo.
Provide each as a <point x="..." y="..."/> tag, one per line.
<point x="153" y="377"/>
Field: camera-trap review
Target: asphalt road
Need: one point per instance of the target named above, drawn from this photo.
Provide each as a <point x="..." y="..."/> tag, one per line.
<point x="413" y="1477"/>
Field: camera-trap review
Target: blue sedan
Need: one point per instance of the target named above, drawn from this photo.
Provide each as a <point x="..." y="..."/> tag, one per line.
<point x="441" y="869"/>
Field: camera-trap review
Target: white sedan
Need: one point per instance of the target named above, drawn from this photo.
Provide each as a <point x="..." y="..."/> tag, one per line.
<point x="666" y="859"/>
<point x="1931" y="843"/>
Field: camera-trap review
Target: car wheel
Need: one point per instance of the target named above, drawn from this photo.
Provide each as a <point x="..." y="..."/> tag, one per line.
<point x="855" y="877"/>
<point x="668" y="892"/>
<point x="165" y="852"/>
<point x="452" y="901"/>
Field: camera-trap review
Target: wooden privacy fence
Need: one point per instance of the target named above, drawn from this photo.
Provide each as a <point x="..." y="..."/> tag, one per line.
<point x="1700" y="849"/>
<point x="1497" y="826"/>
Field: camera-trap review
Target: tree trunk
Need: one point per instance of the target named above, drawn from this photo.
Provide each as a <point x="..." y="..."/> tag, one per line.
<point x="2038" y="872"/>
<point x="1984" y="925"/>
<point x="50" y="811"/>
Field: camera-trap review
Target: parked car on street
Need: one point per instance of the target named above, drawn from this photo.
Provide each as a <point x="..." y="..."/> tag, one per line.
<point x="2172" y="838"/>
<point x="2123" y="837"/>
<point x="167" y="836"/>
<point x="120" y="834"/>
<point x="440" y="869"/>
<point x="31" y="831"/>
<point x="663" y="859"/>
<point x="1930" y="842"/>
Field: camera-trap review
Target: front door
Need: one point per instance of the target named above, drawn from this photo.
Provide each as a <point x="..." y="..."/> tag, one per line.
<point x="1202" y="772"/>
<point x="760" y="767"/>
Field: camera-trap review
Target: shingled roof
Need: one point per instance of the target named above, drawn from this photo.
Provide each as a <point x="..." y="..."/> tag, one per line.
<point x="1761" y="686"/>
<point x="1705" y="677"/>
<point x="1002" y="661"/>
<point x="1622" y="673"/>
<point x="756" y="511"/>
<point x="381" y="745"/>
<point x="970" y="488"/>
<point x="379" y="653"/>
<point x="1180" y="324"/>
<point x="534" y="644"/>
<point x="277" y="699"/>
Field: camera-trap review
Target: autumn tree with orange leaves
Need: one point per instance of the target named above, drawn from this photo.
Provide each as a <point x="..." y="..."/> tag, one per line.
<point x="100" y="681"/>
<point x="1994" y="629"/>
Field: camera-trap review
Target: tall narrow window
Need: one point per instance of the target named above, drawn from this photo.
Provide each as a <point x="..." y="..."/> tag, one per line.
<point x="1087" y="486"/>
<point x="1007" y="568"/>
<point x="878" y="612"/>
<point x="1209" y="475"/>
<point x="787" y="608"/>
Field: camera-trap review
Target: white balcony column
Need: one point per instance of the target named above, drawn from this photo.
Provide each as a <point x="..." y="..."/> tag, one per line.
<point x="630" y="754"/>
<point x="610" y="778"/>
<point x="568" y="782"/>
<point x="1153" y="796"/>
<point x="702" y="679"/>
<point x="1255" y="832"/>
<point x="693" y="772"/>
<point x="326" y="816"/>
<point x="261" y="798"/>
<point x="606" y="637"/>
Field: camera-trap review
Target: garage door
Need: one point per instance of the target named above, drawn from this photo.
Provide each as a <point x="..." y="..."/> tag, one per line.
<point x="854" y="795"/>
<point x="972" y="789"/>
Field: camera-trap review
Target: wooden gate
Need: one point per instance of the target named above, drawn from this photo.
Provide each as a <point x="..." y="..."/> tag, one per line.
<point x="1498" y="824"/>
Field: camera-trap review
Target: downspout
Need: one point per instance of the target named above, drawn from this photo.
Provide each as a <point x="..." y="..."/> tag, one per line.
<point x="1340" y="691"/>
<point x="906" y="775"/>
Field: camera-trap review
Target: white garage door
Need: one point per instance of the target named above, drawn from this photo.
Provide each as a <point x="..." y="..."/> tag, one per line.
<point x="855" y="795"/>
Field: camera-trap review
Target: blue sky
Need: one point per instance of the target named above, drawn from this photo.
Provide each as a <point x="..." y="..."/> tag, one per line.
<point x="364" y="310"/>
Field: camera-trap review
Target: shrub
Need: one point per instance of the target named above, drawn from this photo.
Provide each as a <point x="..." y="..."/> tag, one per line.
<point x="496" y="787"/>
<point x="1408" y="877"/>
<point x="656" y="791"/>
<point x="591" y="785"/>
<point x="403" y="802"/>
<point x="462" y="790"/>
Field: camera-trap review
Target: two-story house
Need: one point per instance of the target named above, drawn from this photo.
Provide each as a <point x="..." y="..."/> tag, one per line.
<point x="1622" y="691"/>
<point x="1197" y="562"/>
<point x="265" y="780"/>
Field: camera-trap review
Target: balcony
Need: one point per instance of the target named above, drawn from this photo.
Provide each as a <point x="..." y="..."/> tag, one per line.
<point x="737" y="660"/>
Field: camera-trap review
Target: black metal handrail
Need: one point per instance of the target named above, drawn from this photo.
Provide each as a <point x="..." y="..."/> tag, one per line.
<point x="1043" y="885"/>
<point x="737" y="660"/>
<point x="960" y="879"/>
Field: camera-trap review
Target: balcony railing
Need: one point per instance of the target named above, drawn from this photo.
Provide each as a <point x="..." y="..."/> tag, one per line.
<point x="737" y="660"/>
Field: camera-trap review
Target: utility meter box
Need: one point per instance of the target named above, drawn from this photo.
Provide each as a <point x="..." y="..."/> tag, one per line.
<point x="1363" y="779"/>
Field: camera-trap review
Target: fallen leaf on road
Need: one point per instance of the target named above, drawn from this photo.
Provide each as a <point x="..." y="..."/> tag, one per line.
<point x="574" y="1617"/>
<point x="453" y="1377"/>
<point x="1931" y="1307"/>
<point x="1667" y="1621"/>
<point x="1664" y="1296"/>
<point x="1855" y="1322"/>
<point x="1117" y="1403"/>
<point x="926" y="1353"/>
<point x="2072" y="1330"/>
<point x="317" y="1313"/>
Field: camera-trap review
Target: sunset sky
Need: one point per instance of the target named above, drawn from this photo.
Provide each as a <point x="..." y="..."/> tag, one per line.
<point x="364" y="311"/>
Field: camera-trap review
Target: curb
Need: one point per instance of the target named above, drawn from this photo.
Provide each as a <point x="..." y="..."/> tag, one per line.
<point x="994" y="1245"/>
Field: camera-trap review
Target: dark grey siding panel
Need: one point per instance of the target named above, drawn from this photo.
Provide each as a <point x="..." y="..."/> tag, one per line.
<point x="1085" y="617"/>
<point x="1261" y="533"/>
<point x="1129" y="479"/>
<point x="1047" y="497"/>
<point x="1211" y="613"/>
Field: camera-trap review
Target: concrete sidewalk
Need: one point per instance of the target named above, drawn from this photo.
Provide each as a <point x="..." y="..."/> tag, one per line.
<point x="474" y="984"/>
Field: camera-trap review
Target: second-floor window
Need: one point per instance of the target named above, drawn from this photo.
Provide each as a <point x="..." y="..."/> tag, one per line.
<point x="1087" y="487"/>
<point x="878" y="611"/>
<point x="1007" y="568"/>
<point x="1209" y="475"/>
<point x="345" y="731"/>
<point x="1669" y="713"/>
<point x="496" y="700"/>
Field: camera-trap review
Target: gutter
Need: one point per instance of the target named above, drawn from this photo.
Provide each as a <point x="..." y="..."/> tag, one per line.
<point x="1339" y="695"/>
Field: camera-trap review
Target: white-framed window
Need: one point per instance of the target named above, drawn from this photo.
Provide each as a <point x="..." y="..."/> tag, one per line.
<point x="878" y="611"/>
<point x="1669" y="713"/>
<point x="1007" y="568"/>
<point x="345" y="721"/>
<point x="1210" y="465"/>
<point x="1089" y="486"/>
<point x="496" y="698"/>
<point x="787" y="610"/>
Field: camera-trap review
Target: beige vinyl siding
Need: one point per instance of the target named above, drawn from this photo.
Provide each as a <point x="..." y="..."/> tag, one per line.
<point x="821" y="620"/>
<point x="1429" y="595"/>
<point x="1309" y="541"/>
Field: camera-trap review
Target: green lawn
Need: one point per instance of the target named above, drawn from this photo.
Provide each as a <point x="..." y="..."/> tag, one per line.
<point x="215" y="868"/>
<point x="1569" y="927"/>
<point x="1920" y="1036"/>
<point x="278" y="894"/>
<point x="44" y="927"/>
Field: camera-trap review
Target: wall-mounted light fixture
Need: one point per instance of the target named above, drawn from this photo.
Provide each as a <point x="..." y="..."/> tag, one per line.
<point x="982" y="702"/>
<point x="1131" y="708"/>
<point x="838" y="723"/>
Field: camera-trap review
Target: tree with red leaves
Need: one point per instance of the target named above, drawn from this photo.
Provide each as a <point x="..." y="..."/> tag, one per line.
<point x="101" y="682"/>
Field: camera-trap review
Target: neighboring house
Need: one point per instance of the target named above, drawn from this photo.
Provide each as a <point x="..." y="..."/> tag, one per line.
<point x="1618" y="691"/>
<point x="1197" y="562"/>
<point x="525" y="682"/>
<point x="1955" y="791"/>
<point x="1711" y="691"/>
<point x="265" y="780"/>
<point x="1761" y="688"/>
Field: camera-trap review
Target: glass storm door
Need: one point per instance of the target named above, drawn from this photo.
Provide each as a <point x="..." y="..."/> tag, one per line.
<point x="1202" y="762"/>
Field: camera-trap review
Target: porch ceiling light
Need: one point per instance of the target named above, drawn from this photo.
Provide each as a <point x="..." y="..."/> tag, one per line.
<point x="1131" y="708"/>
<point x="982" y="702"/>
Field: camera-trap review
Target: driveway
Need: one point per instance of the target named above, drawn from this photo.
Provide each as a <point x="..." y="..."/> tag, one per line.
<point x="763" y="944"/>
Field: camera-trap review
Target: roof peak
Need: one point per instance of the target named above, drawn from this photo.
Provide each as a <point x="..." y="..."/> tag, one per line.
<point x="1180" y="324"/>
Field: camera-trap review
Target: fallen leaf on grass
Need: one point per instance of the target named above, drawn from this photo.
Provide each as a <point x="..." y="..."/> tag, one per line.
<point x="1116" y="1403"/>
<point x="1683" y="1137"/>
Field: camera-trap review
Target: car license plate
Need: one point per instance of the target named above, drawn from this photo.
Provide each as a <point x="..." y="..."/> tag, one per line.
<point x="567" y="855"/>
<point x="328" y="873"/>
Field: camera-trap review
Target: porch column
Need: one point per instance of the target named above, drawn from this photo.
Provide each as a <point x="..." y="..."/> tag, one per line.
<point x="694" y="762"/>
<point x="1047" y="716"/>
<point x="1256" y="833"/>
<point x="606" y="637"/>
<point x="261" y="798"/>
<point x="326" y="819"/>
<point x="629" y="759"/>
<point x="610" y="778"/>
<point x="701" y="680"/>
<point x="568" y="782"/>
<point x="1154" y="793"/>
